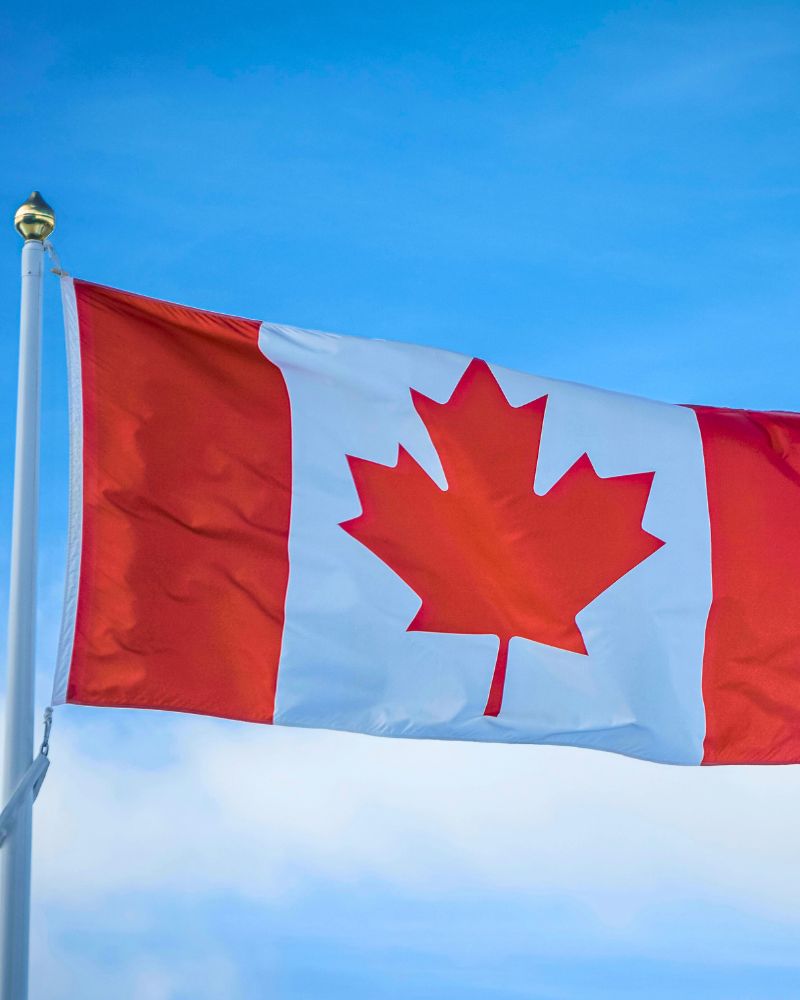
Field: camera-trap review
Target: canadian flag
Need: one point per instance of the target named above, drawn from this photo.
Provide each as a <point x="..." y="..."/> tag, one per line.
<point x="277" y="525"/>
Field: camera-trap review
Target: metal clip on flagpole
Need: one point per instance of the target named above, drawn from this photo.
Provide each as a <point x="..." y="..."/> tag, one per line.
<point x="34" y="221"/>
<point x="30" y="782"/>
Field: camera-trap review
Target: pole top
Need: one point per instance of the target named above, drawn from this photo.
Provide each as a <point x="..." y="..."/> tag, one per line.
<point x="35" y="220"/>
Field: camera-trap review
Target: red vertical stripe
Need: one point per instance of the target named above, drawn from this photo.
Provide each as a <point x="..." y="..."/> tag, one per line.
<point x="751" y="668"/>
<point x="187" y="492"/>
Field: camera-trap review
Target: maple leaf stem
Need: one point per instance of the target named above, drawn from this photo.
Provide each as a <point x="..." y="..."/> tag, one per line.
<point x="495" y="700"/>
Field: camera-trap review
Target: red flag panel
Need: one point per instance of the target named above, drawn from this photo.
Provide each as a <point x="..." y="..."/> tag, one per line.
<point x="186" y="502"/>
<point x="751" y="666"/>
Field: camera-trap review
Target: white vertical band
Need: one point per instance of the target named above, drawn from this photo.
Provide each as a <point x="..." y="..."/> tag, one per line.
<point x="75" y="516"/>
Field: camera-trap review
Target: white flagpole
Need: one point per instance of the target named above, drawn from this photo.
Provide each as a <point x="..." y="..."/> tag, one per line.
<point x="34" y="221"/>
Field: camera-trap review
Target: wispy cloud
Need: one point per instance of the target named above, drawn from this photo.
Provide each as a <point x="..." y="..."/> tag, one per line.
<point x="662" y="58"/>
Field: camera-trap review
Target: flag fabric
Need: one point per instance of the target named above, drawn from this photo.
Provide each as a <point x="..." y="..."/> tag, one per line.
<point x="300" y="528"/>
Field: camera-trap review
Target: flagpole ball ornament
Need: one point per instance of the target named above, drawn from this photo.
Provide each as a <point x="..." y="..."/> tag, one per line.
<point x="35" y="220"/>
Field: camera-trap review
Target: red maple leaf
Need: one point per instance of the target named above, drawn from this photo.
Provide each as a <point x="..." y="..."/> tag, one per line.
<point x="487" y="555"/>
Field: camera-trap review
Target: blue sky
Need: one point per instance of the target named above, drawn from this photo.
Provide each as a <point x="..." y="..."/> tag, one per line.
<point x="604" y="193"/>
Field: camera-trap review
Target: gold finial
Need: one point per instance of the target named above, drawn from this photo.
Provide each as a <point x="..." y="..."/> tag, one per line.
<point x="35" y="220"/>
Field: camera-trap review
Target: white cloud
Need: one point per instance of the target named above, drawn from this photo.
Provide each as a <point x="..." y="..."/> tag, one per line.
<point x="259" y="811"/>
